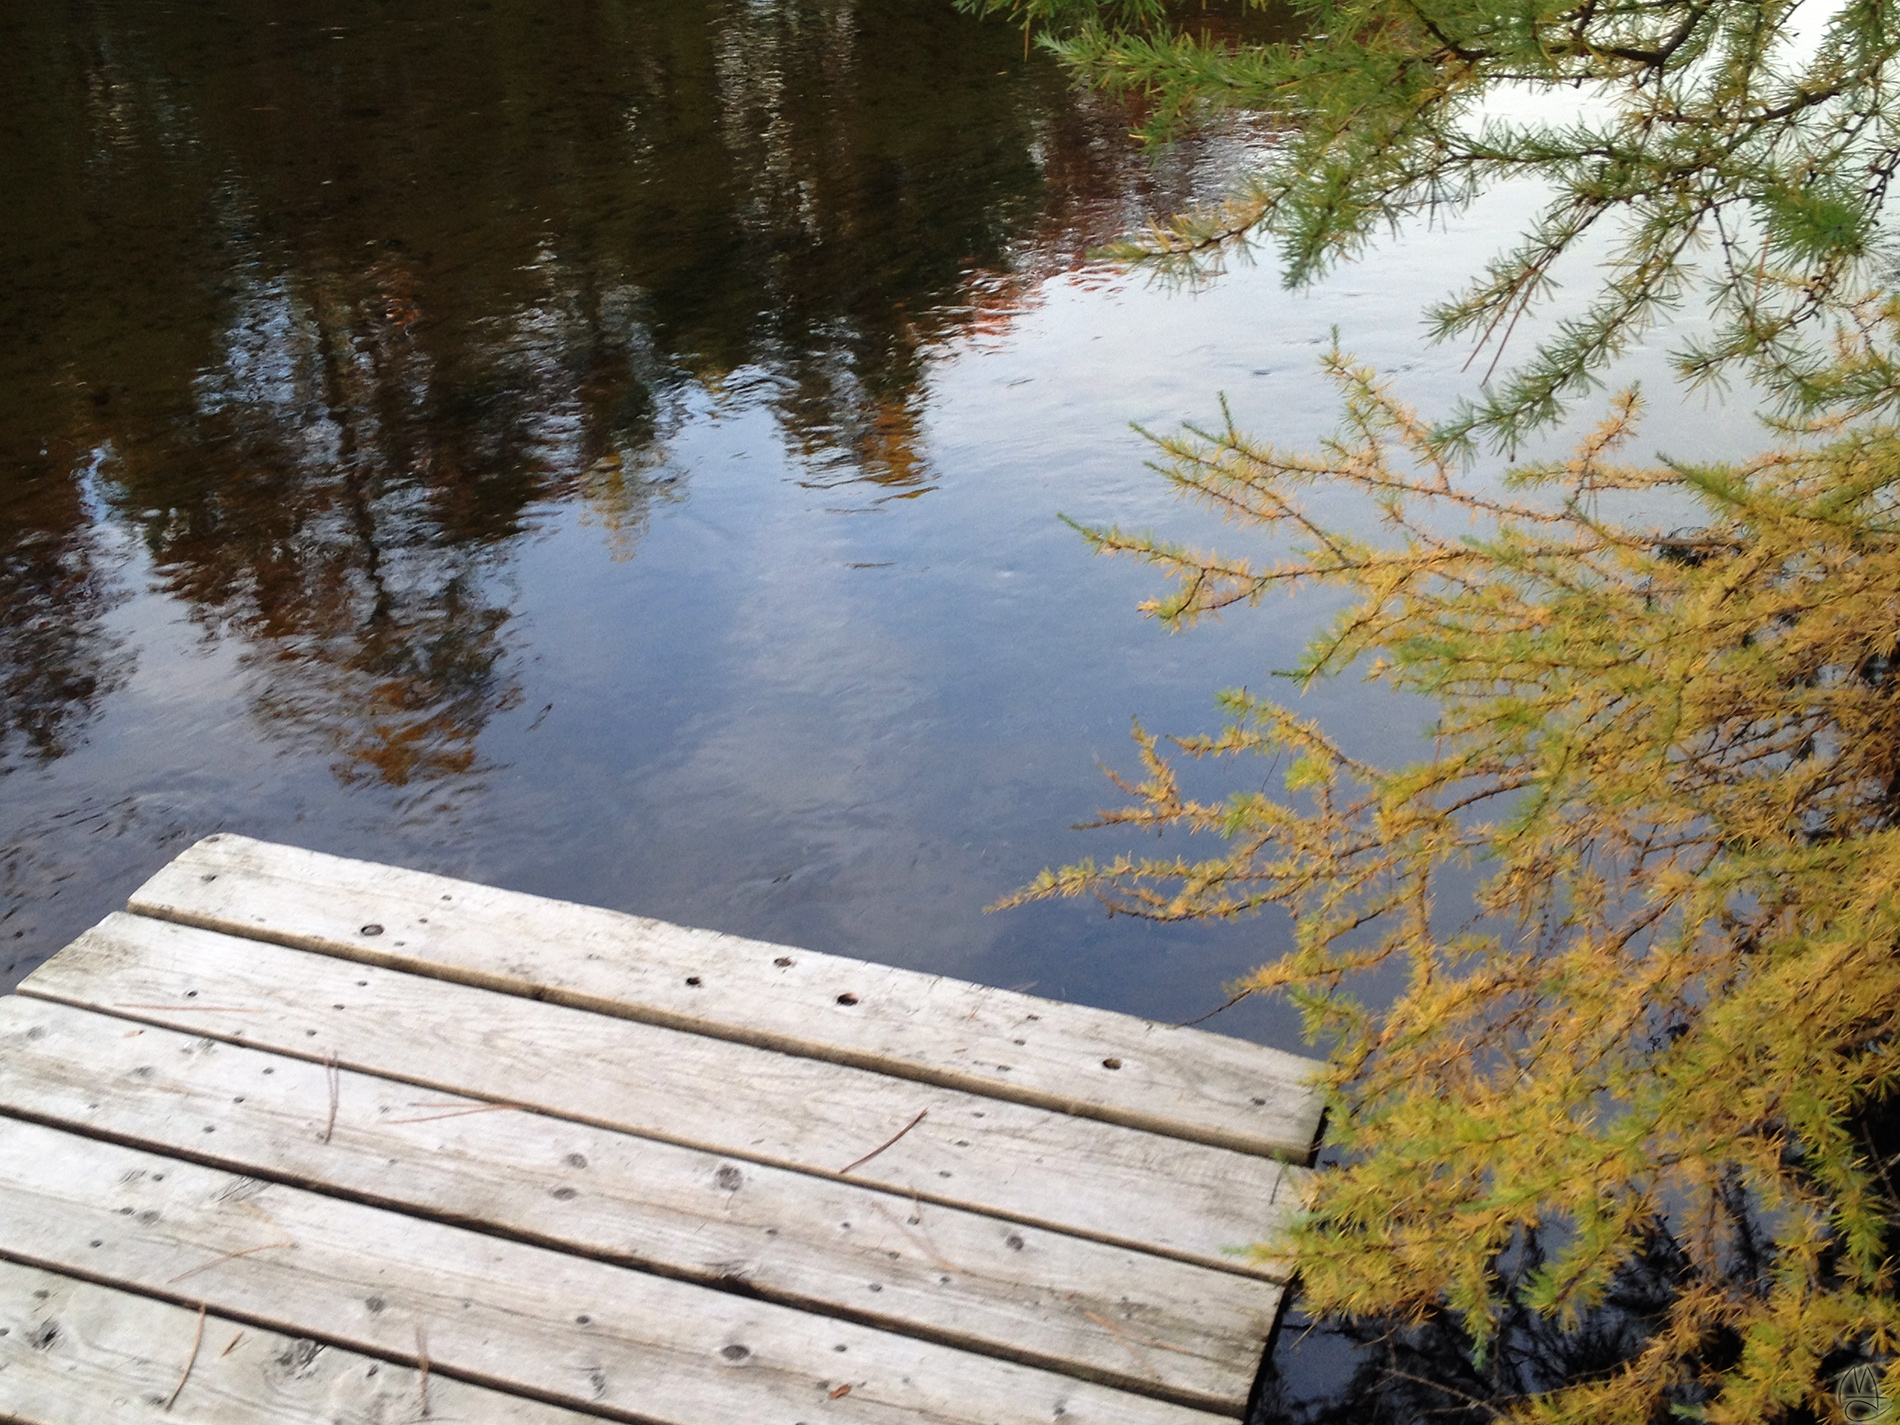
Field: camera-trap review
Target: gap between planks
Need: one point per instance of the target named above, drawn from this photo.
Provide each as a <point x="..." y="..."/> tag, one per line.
<point x="498" y="1313"/>
<point x="1182" y="1082"/>
<point x="1107" y="1182"/>
<point x="74" y="1352"/>
<point x="1040" y="1298"/>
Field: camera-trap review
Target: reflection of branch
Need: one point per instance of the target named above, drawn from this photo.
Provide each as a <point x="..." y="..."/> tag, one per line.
<point x="1396" y="1374"/>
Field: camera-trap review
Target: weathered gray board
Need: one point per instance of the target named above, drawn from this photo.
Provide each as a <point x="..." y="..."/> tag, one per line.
<point x="396" y="1139"/>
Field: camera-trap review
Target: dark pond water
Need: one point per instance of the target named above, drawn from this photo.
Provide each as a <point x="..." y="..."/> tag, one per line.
<point x="610" y="450"/>
<point x="614" y="450"/>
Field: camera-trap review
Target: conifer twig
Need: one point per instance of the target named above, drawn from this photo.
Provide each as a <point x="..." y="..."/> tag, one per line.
<point x="334" y="1076"/>
<point x="197" y="1340"/>
<point x="194" y="1008"/>
<point x="461" y="1112"/>
<point x="227" y="1257"/>
<point x="422" y="1365"/>
<point x="1203" y="1018"/>
<point x="860" y="1162"/>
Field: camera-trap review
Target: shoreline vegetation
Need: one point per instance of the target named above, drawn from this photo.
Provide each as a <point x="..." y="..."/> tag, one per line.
<point x="1634" y="1098"/>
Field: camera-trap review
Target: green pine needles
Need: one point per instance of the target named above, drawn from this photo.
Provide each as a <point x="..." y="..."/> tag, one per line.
<point x="1676" y="759"/>
<point x="1671" y="755"/>
<point x="1736" y="151"/>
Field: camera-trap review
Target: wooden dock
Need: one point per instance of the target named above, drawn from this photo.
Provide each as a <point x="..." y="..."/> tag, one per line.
<point x="301" y="1139"/>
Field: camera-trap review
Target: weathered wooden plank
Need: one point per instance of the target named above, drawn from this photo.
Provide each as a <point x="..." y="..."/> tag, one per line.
<point x="1050" y="1169"/>
<point x="1124" y="1318"/>
<point x="1186" y="1082"/>
<point x="500" y="1313"/>
<point x="75" y="1353"/>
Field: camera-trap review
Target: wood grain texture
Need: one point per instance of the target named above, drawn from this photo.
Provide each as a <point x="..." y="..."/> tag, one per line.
<point x="74" y="1353"/>
<point x="498" y="1313"/>
<point x="1032" y="1165"/>
<point x="1187" y="1083"/>
<point x="1129" y="1319"/>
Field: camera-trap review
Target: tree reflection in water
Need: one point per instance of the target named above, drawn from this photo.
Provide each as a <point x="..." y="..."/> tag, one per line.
<point x="1379" y="1372"/>
<point x="56" y="660"/>
<point x="333" y="303"/>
